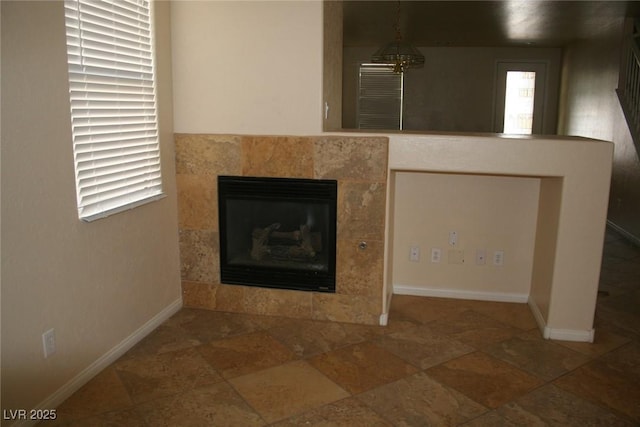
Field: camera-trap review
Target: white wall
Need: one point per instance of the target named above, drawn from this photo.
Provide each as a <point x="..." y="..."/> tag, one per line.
<point x="248" y="67"/>
<point x="95" y="283"/>
<point x="488" y="213"/>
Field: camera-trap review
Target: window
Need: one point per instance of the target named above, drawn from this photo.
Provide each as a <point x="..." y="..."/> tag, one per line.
<point x="113" y="105"/>
<point x="380" y="97"/>
<point x="518" y="102"/>
<point x="520" y="96"/>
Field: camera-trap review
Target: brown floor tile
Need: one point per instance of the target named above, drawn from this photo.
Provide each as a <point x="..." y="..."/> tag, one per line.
<point x="344" y="413"/>
<point x="309" y="337"/>
<point x="152" y="377"/>
<point x="424" y="309"/>
<point x="544" y="358"/>
<point x="517" y="315"/>
<point x="485" y="379"/>
<point x="421" y="347"/>
<point x="244" y="354"/>
<point x="206" y="325"/>
<point x="472" y="328"/>
<point x="419" y="400"/>
<point x="104" y="393"/>
<point x="612" y="381"/>
<point x="551" y="406"/>
<point x="287" y="390"/>
<point x="362" y="367"/>
<point x="162" y="340"/>
<point x="214" y="405"/>
<point x="603" y="342"/>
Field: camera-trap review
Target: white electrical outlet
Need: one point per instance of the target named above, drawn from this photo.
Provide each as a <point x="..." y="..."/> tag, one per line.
<point x="498" y="258"/>
<point x="481" y="257"/>
<point x="414" y="254"/>
<point x="49" y="343"/>
<point x="436" y="255"/>
<point x="453" y="238"/>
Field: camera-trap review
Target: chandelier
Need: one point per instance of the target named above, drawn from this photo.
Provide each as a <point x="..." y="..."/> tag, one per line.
<point x="400" y="54"/>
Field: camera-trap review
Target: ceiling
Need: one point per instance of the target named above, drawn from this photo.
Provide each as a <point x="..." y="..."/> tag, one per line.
<point x="541" y="23"/>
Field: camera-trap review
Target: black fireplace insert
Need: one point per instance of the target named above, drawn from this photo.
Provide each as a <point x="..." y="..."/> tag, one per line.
<point x="278" y="232"/>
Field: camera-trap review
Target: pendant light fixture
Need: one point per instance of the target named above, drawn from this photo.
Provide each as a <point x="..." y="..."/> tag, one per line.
<point x="400" y="54"/>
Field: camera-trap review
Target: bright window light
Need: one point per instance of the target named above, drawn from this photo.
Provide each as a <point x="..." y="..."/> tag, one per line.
<point x="518" y="102"/>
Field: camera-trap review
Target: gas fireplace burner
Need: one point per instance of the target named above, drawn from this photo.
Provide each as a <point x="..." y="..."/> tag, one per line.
<point x="278" y="232"/>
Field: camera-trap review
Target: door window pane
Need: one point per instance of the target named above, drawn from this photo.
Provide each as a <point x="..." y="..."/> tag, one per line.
<point x="518" y="102"/>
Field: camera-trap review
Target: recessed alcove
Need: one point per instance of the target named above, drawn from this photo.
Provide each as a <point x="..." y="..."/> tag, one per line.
<point x="571" y="177"/>
<point x="490" y="214"/>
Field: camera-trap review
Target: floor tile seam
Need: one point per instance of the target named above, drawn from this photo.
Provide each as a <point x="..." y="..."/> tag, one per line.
<point x="374" y="409"/>
<point x="595" y="402"/>
<point x="266" y="423"/>
<point x="530" y="372"/>
<point x="177" y="395"/>
<point x="124" y="385"/>
<point x="309" y="356"/>
<point x="191" y="386"/>
<point x="560" y="345"/>
<point x="609" y="351"/>
<point x="619" y="348"/>
<point x="451" y="387"/>
<point x="311" y="365"/>
<point x="502" y="323"/>
<point x="246" y="402"/>
<point x="543" y="382"/>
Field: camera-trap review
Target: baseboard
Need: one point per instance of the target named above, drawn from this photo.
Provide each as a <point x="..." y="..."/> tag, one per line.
<point x="83" y="377"/>
<point x="624" y="233"/>
<point x="569" y="334"/>
<point x="384" y="317"/>
<point x="537" y="315"/>
<point x="459" y="294"/>
<point x="559" y="334"/>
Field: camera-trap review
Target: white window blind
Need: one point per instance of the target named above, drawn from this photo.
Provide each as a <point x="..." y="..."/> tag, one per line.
<point x="113" y="105"/>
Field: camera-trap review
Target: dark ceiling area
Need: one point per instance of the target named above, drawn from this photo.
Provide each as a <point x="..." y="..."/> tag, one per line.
<point x="481" y="23"/>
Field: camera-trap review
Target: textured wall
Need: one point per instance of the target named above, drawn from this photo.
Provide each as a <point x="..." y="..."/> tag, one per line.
<point x="591" y="108"/>
<point x="359" y="164"/>
<point x="96" y="283"/>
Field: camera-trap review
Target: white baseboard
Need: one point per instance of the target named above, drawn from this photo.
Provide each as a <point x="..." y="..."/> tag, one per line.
<point x="559" y="334"/>
<point x="384" y="319"/>
<point x="459" y="294"/>
<point x="569" y="334"/>
<point x="84" y="376"/>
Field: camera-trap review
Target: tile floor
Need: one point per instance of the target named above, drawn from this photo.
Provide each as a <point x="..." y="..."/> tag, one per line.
<point x="439" y="362"/>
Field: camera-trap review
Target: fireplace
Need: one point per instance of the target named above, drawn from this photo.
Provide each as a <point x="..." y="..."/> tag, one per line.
<point x="278" y="232"/>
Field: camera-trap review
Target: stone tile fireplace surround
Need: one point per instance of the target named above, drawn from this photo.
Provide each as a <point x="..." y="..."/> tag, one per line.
<point x="359" y="164"/>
